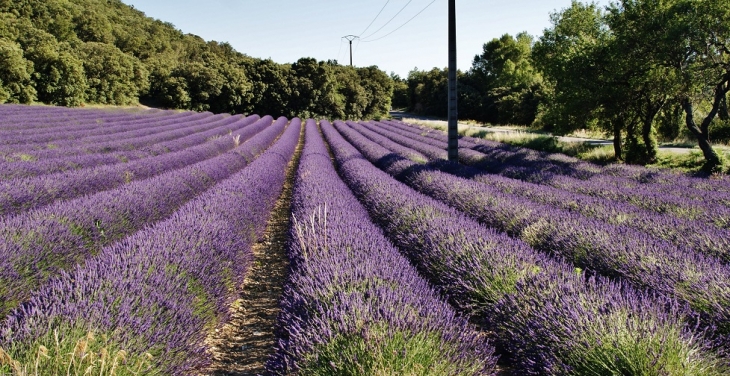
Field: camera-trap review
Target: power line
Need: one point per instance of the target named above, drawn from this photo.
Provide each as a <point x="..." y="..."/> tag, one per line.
<point x="376" y="17"/>
<point x="357" y="45"/>
<point x="340" y="51"/>
<point x="386" y="24"/>
<point x="406" y="23"/>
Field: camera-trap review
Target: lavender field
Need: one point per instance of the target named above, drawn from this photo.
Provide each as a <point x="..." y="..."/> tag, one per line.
<point x="126" y="235"/>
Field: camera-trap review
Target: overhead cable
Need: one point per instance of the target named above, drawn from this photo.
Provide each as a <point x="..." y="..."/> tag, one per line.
<point x="376" y="17"/>
<point x="396" y="15"/>
<point x="406" y="23"/>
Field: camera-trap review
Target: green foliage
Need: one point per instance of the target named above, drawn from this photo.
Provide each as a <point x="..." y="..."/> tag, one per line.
<point x="69" y="52"/>
<point x="570" y="55"/>
<point x="501" y="87"/>
<point x="93" y="26"/>
<point x="314" y="90"/>
<point x="15" y="74"/>
<point x="382" y="352"/>
<point x="113" y="76"/>
<point x="74" y="351"/>
<point x="633" y="67"/>
<point x="428" y="91"/>
<point x="355" y="97"/>
<point x="505" y="73"/>
<point x="378" y="87"/>
<point x="271" y="83"/>
<point x="400" y="92"/>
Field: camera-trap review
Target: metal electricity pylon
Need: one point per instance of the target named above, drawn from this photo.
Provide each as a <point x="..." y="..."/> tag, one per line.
<point x="350" y="38"/>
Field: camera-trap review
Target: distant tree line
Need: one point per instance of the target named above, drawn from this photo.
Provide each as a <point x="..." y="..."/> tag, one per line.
<point x="71" y="52"/>
<point x="637" y="69"/>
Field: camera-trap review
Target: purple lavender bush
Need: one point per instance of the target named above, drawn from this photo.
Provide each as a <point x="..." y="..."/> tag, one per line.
<point x="158" y="293"/>
<point x="37" y="244"/>
<point x="353" y="305"/>
<point x="546" y="316"/>
<point x="23" y="194"/>
<point x="615" y="251"/>
<point x="27" y="169"/>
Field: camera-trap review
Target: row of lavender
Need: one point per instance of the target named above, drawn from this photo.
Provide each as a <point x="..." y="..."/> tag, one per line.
<point x="550" y="318"/>
<point x="27" y="119"/>
<point x="630" y="251"/>
<point x="565" y="165"/>
<point x="87" y="153"/>
<point x="109" y="125"/>
<point x="151" y="299"/>
<point x="22" y="194"/>
<point x="353" y="305"/>
<point x="696" y="235"/>
<point x="165" y="130"/>
<point x="682" y="196"/>
<point x="36" y="244"/>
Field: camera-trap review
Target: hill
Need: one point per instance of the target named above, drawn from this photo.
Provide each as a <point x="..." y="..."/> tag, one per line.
<point x="73" y="52"/>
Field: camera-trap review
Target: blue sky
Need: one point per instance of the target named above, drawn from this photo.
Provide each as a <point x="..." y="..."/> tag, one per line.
<point x="286" y="30"/>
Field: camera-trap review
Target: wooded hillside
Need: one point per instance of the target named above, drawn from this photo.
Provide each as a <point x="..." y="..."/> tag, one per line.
<point x="71" y="52"/>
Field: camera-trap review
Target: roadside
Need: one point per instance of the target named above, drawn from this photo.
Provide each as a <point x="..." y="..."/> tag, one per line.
<point x="470" y="129"/>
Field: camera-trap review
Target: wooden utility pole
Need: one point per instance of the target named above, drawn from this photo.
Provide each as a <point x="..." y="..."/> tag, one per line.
<point x="350" y="38"/>
<point x="453" y="146"/>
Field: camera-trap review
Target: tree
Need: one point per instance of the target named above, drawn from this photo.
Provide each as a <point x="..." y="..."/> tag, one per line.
<point x="598" y="76"/>
<point x="314" y="90"/>
<point x="678" y="51"/>
<point x="59" y="77"/>
<point x="400" y="91"/>
<point x="272" y="85"/>
<point x="572" y="56"/>
<point x="15" y="74"/>
<point x="428" y="91"/>
<point x="92" y="26"/>
<point x="379" y="88"/>
<point x="510" y="84"/>
<point x="355" y="96"/>
<point x="697" y="46"/>
<point x="113" y="76"/>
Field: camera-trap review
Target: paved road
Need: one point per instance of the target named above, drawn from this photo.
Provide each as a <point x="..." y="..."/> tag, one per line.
<point x="593" y="141"/>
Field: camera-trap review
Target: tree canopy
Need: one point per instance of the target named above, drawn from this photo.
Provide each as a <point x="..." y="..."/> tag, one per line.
<point x="636" y="69"/>
<point x="71" y="52"/>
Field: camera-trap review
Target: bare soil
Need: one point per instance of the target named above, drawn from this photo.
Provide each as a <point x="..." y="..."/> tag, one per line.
<point x="243" y="345"/>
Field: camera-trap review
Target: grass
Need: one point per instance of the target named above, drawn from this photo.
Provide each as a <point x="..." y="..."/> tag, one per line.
<point x="384" y="352"/>
<point x="75" y="352"/>
<point x="601" y="154"/>
<point x="692" y="162"/>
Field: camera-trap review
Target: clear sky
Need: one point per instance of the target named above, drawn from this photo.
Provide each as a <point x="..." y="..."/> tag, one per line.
<point x="286" y="30"/>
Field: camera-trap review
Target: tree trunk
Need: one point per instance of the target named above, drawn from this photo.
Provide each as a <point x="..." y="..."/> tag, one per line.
<point x="635" y="153"/>
<point x="712" y="160"/>
<point x="617" y="126"/>
<point x="647" y="131"/>
<point x="722" y="112"/>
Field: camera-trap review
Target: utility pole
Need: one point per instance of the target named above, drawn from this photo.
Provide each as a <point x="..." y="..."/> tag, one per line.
<point x="350" y="38"/>
<point x="453" y="146"/>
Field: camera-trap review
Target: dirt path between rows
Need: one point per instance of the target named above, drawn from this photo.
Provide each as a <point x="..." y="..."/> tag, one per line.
<point x="244" y="344"/>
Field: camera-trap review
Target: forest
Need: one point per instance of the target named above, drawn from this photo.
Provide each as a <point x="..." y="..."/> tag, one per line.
<point x="69" y="53"/>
